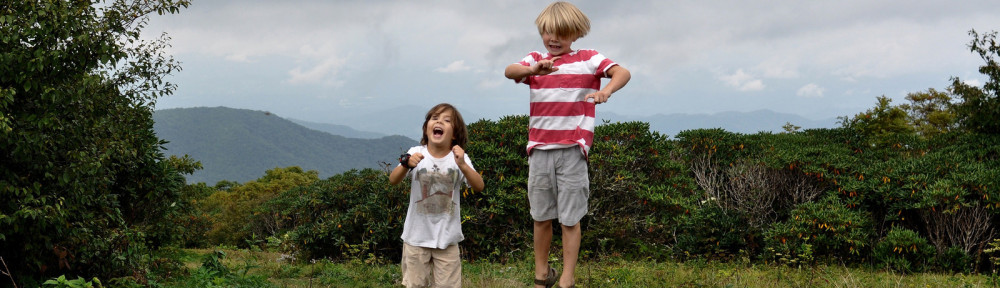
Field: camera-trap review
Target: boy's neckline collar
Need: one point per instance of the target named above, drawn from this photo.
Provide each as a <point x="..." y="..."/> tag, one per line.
<point x="570" y="53"/>
<point x="428" y="148"/>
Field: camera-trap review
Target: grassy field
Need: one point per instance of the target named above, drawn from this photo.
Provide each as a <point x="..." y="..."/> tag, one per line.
<point x="258" y="268"/>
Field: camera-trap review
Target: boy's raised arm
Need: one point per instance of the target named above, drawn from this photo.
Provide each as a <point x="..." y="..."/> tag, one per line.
<point x="619" y="77"/>
<point x="543" y="67"/>
<point x="517" y="71"/>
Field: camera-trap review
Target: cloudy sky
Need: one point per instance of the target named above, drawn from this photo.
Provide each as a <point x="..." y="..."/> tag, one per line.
<point x="337" y="61"/>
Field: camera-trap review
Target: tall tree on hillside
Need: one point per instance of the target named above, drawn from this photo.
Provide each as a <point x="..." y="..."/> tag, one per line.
<point x="980" y="107"/>
<point x="82" y="176"/>
<point x="929" y="112"/>
<point x="880" y="122"/>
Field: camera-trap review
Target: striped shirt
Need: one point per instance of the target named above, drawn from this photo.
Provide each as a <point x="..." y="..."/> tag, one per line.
<point x="560" y="114"/>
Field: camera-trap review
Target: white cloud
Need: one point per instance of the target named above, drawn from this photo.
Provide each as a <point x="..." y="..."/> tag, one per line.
<point x="811" y="90"/>
<point x="324" y="73"/>
<point x="777" y="69"/>
<point x="743" y="81"/>
<point x="973" y="82"/>
<point x="457" y="66"/>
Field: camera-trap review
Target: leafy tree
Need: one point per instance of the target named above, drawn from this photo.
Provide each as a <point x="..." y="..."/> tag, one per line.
<point x="929" y="112"/>
<point x="81" y="173"/>
<point x="980" y="107"/>
<point x="879" y="123"/>
<point x="238" y="213"/>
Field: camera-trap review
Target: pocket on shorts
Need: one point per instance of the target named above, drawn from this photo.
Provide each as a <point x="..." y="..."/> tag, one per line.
<point x="539" y="183"/>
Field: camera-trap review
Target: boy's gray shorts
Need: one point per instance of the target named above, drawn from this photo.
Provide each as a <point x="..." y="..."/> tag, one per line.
<point x="558" y="185"/>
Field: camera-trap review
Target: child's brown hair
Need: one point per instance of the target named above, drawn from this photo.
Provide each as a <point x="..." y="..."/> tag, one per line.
<point x="458" y="124"/>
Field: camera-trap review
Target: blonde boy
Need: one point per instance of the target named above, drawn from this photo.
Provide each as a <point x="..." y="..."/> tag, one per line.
<point x="564" y="88"/>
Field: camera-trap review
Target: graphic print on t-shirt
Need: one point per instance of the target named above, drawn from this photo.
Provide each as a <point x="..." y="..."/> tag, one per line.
<point x="437" y="187"/>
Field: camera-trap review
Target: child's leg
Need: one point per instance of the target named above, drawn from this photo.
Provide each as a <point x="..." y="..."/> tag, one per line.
<point x="416" y="266"/>
<point x="447" y="266"/>
<point x="542" y="198"/>
<point x="571" y="236"/>
<point x="543" y="241"/>
<point x="574" y="192"/>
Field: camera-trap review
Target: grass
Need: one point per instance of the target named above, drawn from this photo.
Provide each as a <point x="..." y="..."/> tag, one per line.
<point x="261" y="268"/>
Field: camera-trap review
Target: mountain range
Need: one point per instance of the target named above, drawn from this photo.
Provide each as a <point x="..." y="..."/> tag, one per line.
<point x="240" y="145"/>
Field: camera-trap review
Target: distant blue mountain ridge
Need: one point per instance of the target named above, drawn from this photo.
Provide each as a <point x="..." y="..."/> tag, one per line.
<point x="240" y="145"/>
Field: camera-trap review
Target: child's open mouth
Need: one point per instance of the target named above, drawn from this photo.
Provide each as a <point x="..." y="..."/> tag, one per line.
<point x="438" y="131"/>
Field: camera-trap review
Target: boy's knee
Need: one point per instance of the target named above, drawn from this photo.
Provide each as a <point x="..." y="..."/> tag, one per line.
<point x="571" y="227"/>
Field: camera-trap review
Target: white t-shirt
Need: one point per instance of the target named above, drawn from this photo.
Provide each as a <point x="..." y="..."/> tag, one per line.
<point x="434" y="218"/>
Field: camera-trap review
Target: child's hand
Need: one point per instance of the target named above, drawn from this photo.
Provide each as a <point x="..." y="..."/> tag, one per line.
<point x="545" y="67"/>
<point x="459" y="155"/>
<point x="599" y="97"/>
<point x="415" y="159"/>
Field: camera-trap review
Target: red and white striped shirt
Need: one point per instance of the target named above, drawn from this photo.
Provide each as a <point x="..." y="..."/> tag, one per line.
<point x="560" y="114"/>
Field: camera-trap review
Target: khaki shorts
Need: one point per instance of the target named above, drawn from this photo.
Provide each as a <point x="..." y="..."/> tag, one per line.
<point x="558" y="185"/>
<point x="420" y="263"/>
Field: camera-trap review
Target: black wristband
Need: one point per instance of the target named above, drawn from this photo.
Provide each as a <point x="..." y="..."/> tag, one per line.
<point x="405" y="160"/>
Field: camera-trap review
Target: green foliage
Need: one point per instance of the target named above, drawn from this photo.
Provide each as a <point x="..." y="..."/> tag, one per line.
<point x="189" y="226"/>
<point x="240" y="214"/>
<point x="954" y="259"/>
<point x="711" y="232"/>
<point x="832" y="230"/>
<point x="82" y="174"/>
<point x="353" y="215"/>
<point x="980" y="107"/>
<point x="496" y="221"/>
<point x="214" y="273"/>
<point x="62" y="282"/>
<point x="879" y="123"/>
<point x="639" y="190"/>
<point x="929" y="112"/>
<point x="993" y="250"/>
<point x="902" y="250"/>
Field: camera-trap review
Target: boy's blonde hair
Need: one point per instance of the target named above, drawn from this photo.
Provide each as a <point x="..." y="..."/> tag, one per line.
<point x="564" y="20"/>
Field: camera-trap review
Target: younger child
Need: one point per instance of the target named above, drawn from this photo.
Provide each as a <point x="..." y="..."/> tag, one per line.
<point x="432" y="228"/>
<point x="565" y="86"/>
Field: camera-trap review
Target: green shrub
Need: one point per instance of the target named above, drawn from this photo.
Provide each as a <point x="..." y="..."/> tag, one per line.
<point x="244" y="215"/>
<point x="638" y="191"/>
<point x="902" y="250"/>
<point x="496" y="221"/>
<point x="833" y="231"/>
<point x="356" y="214"/>
<point x="954" y="259"/>
<point x="712" y="232"/>
<point x="62" y="282"/>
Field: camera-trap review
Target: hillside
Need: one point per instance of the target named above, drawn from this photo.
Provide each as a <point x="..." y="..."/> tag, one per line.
<point x="239" y="145"/>
<point x="342" y="130"/>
